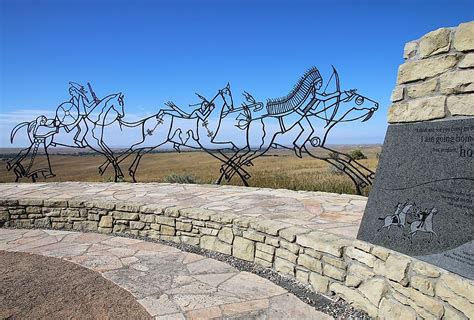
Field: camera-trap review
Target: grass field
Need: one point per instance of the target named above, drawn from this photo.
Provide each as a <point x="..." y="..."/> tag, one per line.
<point x="277" y="169"/>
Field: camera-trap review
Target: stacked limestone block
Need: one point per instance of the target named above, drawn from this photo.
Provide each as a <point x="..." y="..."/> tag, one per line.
<point x="386" y="284"/>
<point x="437" y="79"/>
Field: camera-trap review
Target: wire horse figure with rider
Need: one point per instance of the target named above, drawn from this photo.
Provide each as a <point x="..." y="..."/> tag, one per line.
<point x="305" y="116"/>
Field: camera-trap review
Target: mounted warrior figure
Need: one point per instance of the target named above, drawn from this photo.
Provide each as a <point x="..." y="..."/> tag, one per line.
<point x="72" y="115"/>
<point x="281" y="116"/>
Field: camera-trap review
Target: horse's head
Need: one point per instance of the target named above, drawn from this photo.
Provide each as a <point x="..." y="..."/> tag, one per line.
<point x="121" y="105"/>
<point x="226" y="95"/>
<point x="362" y="108"/>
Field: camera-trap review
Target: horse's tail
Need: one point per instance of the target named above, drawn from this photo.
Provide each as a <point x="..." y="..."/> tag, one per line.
<point x="16" y="128"/>
<point x="380" y="218"/>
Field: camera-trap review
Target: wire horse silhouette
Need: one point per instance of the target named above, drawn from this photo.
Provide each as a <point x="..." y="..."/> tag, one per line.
<point x="307" y="112"/>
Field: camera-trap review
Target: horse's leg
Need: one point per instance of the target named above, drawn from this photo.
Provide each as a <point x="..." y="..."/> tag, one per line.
<point x="111" y="156"/>
<point x="134" y="166"/>
<point x="356" y="179"/>
<point x="354" y="164"/>
<point x="19" y="157"/>
<point x="242" y="173"/>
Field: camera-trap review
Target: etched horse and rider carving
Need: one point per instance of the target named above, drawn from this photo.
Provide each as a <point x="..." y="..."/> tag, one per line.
<point x="306" y="115"/>
<point x="408" y="214"/>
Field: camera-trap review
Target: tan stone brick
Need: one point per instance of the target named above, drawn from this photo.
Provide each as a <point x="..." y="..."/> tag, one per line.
<point x="374" y="289"/>
<point x="292" y="247"/>
<point x="213" y="225"/>
<point x="273" y="241"/>
<point x="264" y="256"/>
<point x="397" y="94"/>
<point x="120" y="228"/>
<point x="461" y="286"/>
<point x="104" y="230"/>
<point x="361" y="256"/>
<point x="265" y="248"/>
<point x="419" y="70"/>
<point x="151" y="208"/>
<point x="167" y="230"/>
<point x="324" y="242"/>
<point x="310" y="263"/>
<point x="55" y="203"/>
<point x="148" y="218"/>
<point x="395" y="268"/>
<point x="313" y="253"/>
<point x="302" y="276"/>
<point x="284" y="266"/>
<point x="461" y="105"/>
<point x="263" y="263"/>
<point x="30" y="202"/>
<point x="122" y="215"/>
<point x="463" y="37"/>
<point x="467" y="61"/>
<point x="337" y="262"/>
<point x="285" y="254"/>
<point x="190" y="240"/>
<point x="434" y="42"/>
<point x="390" y="309"/>
<point x="197" y="213"/>
<point x="420" y="109"/>
<point x="128" y="207"/>
<point x="252" y="235"/>
<point x="360" y="271"/>
<point x="362" y="245"/>
<point x="426" y="269"/>
<point x="172" y="211"/>
<point x="333" y="272"/>
<point x="169" y="221"/>
<point x="422" y="89"/>
<point x="226" y="235"/>
<point x="453" y="314"/>
<point x="319" y="282"/>
<point x="354" y="298"/>
<point x="352" y="280"/>
<point x="33" y="209"/>
<point x="184" y="226"/>
<point x="422" y="284"/>
<point x="214" y="244"/>
<point x="269" y="226"/>
<point x="106" y="222"/>
<point x="243" y="249"/>
<point x="85" y="225"/>
<point x="208" y="231"/>
<point x="431" y="305"/>
<point x="290" y="233"/>
<point x="380" y="252"/>
<point x="410" y="50"/>
<point x="223" y="217"/>
<point x="459" y="81"/>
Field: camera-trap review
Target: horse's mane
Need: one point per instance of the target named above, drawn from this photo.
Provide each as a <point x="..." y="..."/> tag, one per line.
<point x="298" y="94"/>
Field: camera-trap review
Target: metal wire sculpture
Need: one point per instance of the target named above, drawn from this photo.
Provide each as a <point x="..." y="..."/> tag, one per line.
<point x="83" y="121"/>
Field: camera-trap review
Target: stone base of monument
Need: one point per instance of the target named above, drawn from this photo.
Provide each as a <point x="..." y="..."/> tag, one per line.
<point x="422" y="203"/>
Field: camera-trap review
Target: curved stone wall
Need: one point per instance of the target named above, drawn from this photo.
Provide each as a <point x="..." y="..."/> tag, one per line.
<point x="384" y="283"/>
<point x="437" y="79"/>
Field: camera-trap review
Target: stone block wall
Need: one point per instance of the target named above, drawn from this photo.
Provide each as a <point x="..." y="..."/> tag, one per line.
<point x="386" y="284"/>
<point x="437" y="79"/>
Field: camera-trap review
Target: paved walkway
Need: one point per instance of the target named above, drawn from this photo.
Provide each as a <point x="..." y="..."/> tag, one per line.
<point x="169" y="283"/>
<point x="338" y="214"/>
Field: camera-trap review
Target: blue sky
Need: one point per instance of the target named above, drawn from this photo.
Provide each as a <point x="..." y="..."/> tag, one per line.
<point x="155" y="51"/>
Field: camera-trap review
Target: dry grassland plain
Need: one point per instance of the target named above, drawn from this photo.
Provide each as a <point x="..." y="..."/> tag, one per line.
<point x="279" y="169"/>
